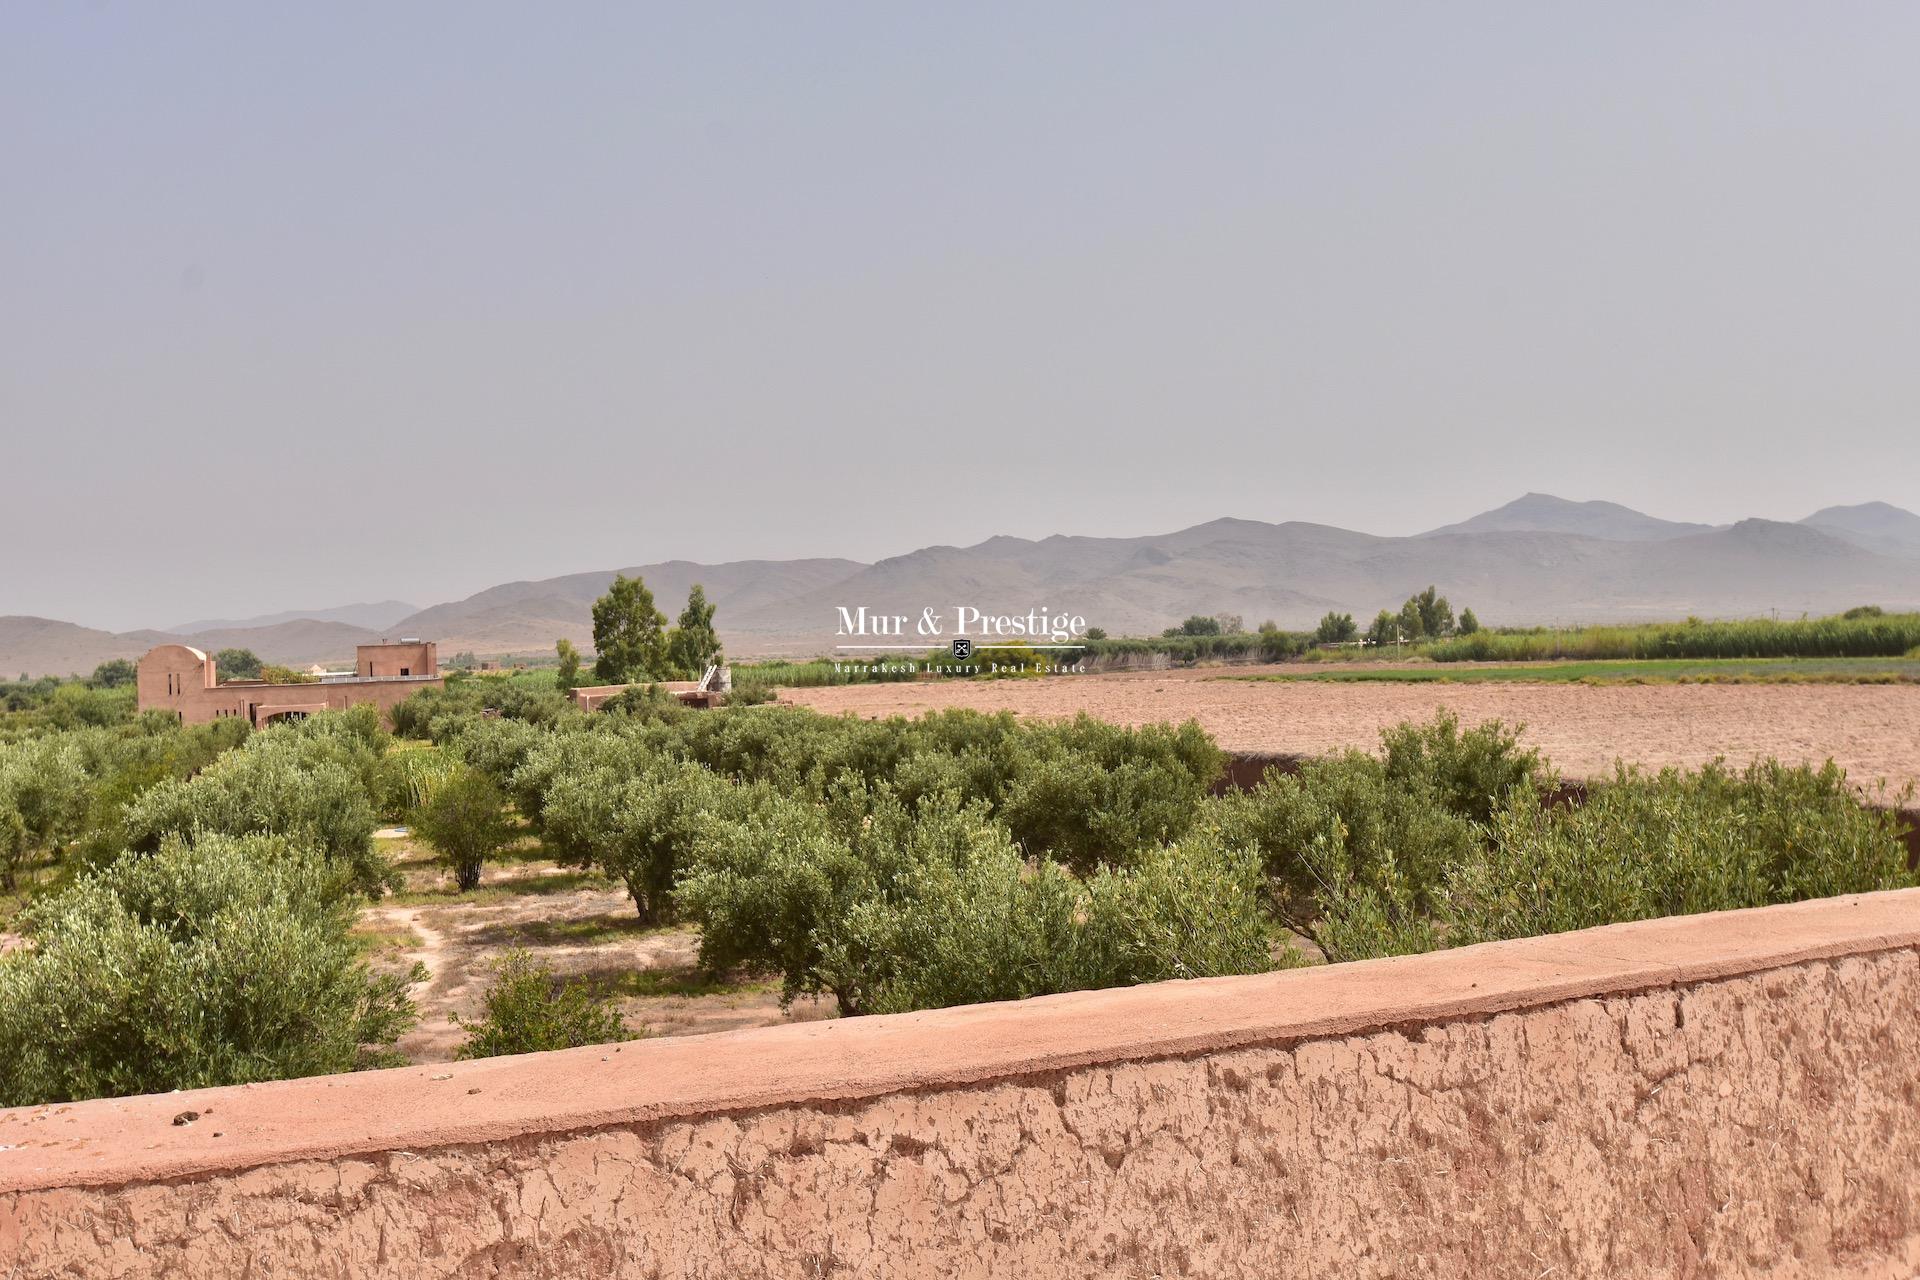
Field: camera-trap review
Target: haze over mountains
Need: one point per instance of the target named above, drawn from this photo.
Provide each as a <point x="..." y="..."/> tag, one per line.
<point x="374" y="616"/>
<point x="1539" y="559"/>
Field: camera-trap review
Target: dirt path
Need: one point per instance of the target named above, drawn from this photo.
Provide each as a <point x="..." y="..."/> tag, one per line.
<point x="581" y="926"/>
<point x="433" y="1038"/>
<point x="1873" y="731"/>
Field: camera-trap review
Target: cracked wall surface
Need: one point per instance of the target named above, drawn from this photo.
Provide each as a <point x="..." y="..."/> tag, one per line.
<point x="1758" y="1125"/>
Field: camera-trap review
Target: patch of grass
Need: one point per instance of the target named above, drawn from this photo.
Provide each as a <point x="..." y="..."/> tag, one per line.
<point x="498" y="891"/>
<point x="405" y="851"/>
<point x="690" y="982"/>
<point x="585" y="932"/>
<point x="1631" y="671"/>
<point x="524" y="850"/>
<point x="386" y="943"/>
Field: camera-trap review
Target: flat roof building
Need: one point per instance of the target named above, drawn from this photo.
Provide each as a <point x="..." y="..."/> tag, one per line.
<point x="182" y="679"/>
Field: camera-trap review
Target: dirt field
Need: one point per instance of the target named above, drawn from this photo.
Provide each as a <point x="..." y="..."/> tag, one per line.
<point x="579" y="924"/>
<point x="1873" y="731"/>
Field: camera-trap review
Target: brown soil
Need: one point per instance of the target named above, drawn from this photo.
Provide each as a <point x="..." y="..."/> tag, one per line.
<point x="580" y="925"/>
<point x="1873" y="731"/>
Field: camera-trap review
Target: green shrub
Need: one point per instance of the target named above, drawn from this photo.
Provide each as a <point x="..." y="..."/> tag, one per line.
<point x="45" y="796"/>
<point x="798" y="889"/>
<point x="1088" y="793"/>
<point x="990" y="928"/>
<point x="310" y="782"/>
<point x="887" y="907"/>
<point x="464" y="817"/>
<point x="1674" y="843"/>
<point x="646" y="702"/>
<point x="1191" y="910"/>
<point x="1472" y="773"/>
<point x="529" y="1011"/>
<point x="1269" y="644"/>
<point x="14" y="843"/>
<point x="1641" y="846"/>
<point x="1340" y="827"/>
<point x="356" y="730"/>
<point x="219" y="962"/>
<point x="75" y="706"/>
<point x="641" y="829"/>
<point x="438" y="714"/>
<point x="73" y="785"/>
<point x="750" y="689"/>
<point x="497" y="747"/>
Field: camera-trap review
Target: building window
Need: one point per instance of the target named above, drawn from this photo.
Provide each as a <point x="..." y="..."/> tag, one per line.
<point x="406" y="671"/>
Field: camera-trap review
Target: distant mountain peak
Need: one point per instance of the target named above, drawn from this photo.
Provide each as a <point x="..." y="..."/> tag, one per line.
<point x="1876" y="510"/>
<point x="1877" y="526"/>
<point x="1547" y="513"/>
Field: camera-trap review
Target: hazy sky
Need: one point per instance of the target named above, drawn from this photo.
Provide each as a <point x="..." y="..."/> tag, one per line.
<point x="306" y="304"/>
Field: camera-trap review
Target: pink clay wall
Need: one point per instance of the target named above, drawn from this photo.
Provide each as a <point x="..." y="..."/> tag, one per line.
<point x="174" y="677"/>
<point x="1732" y="1095"/>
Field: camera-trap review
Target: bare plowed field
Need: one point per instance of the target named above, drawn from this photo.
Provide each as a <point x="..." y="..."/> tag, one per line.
<point x="1873" y="731"/>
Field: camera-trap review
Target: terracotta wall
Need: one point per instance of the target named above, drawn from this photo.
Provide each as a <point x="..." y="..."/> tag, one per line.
<point x="591" y="697"/>
<point x="176" y="678"/>
<point x="412" y="657"/>
<point x="1730" y="1095"/>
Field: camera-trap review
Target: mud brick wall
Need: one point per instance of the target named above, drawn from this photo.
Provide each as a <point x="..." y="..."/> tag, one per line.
<point x="1725" y="1095"/>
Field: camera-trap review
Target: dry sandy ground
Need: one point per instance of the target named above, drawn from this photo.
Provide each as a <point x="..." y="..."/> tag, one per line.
<point x="580" y="925"/>
<point x="1873" y="731"/>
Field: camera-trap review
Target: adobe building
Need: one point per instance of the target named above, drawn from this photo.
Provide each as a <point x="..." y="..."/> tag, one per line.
<point x="181" y="679"/>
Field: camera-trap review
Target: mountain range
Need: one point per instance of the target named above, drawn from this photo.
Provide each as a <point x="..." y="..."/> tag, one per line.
<point x="372" y="617"/>
<point x="1538" y="559"/>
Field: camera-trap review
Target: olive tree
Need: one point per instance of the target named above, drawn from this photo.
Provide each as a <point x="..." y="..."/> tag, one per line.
<point x="464" y="817"/>
<point x="312" y="782"/>
<point x="223" y="961"/>
<point x="529" y="1010"/>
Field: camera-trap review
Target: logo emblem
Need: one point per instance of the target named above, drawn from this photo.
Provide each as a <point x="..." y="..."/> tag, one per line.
<point x="962" y="649"/>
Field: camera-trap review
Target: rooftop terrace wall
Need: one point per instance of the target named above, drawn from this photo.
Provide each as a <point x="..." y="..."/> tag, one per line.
<point x="1725" y="1095"/>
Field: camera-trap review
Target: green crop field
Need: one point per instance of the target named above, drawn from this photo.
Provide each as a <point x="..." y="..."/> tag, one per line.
<point x="1632" y="671"/>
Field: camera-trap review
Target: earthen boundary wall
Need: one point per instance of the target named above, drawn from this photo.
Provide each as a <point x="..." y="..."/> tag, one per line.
<point x="1732" y="1094"/>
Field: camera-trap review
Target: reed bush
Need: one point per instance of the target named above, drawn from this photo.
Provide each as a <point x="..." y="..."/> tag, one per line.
<point x="1863" y="636"/>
